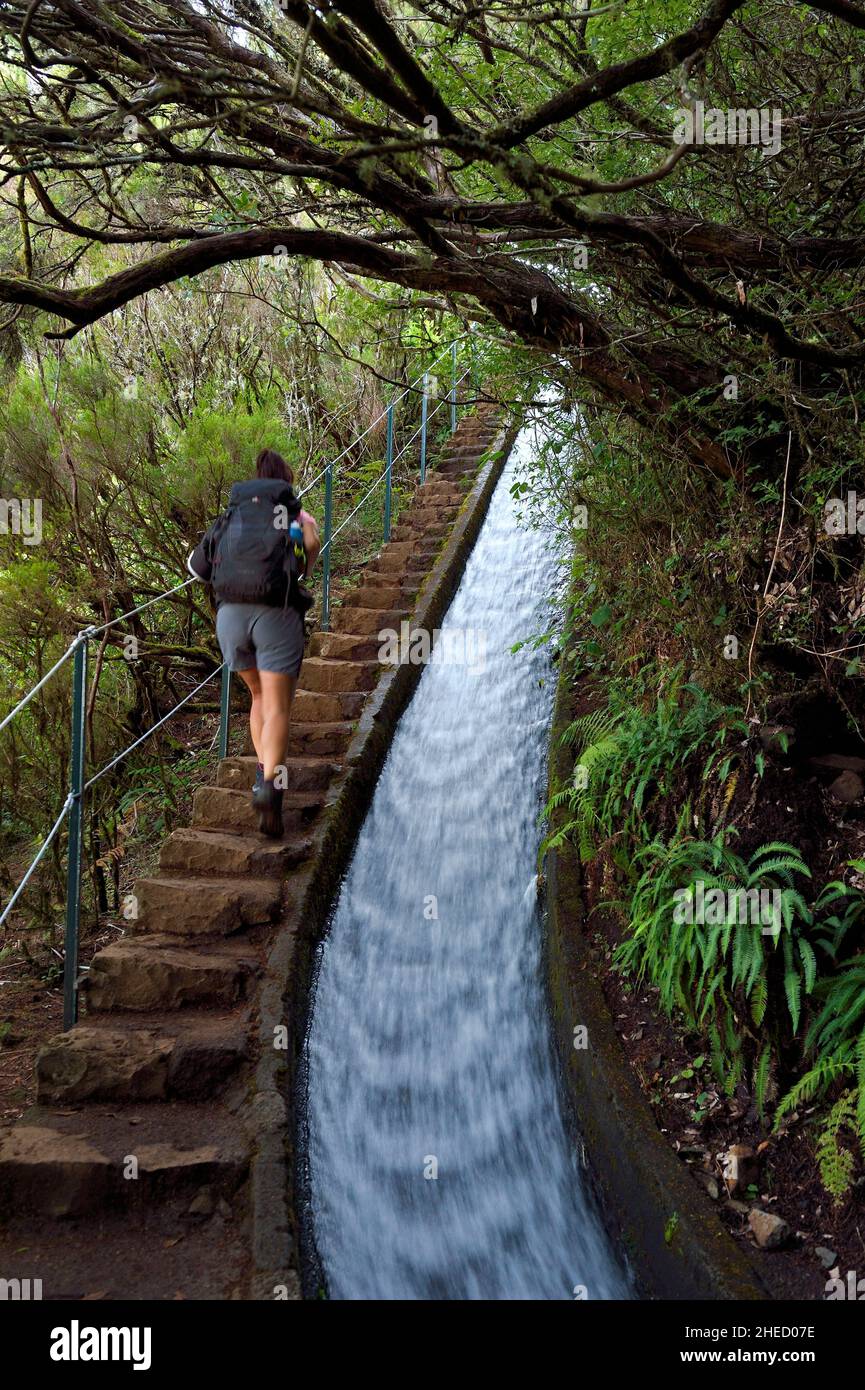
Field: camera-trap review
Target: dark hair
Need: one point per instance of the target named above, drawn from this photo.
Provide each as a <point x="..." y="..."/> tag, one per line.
<point x="270" y="464"/>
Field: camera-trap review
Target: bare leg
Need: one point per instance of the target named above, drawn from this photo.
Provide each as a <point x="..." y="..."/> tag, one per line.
<point x="277" y="693"/>
<point x="256" y="714"/>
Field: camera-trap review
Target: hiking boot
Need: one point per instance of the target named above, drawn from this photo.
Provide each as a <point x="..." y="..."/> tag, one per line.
<point x="267" y="800"/>
<point x="259" y="776"/>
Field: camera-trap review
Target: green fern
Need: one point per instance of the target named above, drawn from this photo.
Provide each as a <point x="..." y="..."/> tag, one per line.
<point x="814" y="1083"/>
<point x="698" y="967"/>
<point x="761" y="1079"/>
<point x="837" y="1165"/>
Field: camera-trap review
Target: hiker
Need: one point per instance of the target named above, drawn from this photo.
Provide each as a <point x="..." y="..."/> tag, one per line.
<point x="255" y="557"/>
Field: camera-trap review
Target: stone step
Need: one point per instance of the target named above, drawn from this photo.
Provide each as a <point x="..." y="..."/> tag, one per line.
<point x="368" y="620"/>
<point x="436" y="529"/>
<point x="464" y="452"/>
<point x="63" y="1165"/>
<point x="300" y="774"/>
<point x="436" y="491"/>
<point x="394" y="562"/>
<point x="152" y="973"/>
<point x="224" y="808"/>
<point x="327" y="740"/>
<point x="425" y="516"/>
<point x="205" y="907"/>
<point x="320" y="674"/>
<point x="406" y="582"/>
<point x="426" y="530"/>
<point x="460" y="470"/>
<point x="324" y="707"/>
<point x="96" y="1061"/>
<point x="374" y="596"/>
<point x="406" y="552"/>
<point x="190" y="851"/>
<point x="343" y="646"/>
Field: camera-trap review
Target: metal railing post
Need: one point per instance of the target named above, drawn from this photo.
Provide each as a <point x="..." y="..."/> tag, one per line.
<point x="328" y="532"/>
<point x="76" y="816"/>
<point x="423" y="415"/>
<point x="224" y="710"/>
<point x="388" y="479"/>
<point x="453" y="387"/>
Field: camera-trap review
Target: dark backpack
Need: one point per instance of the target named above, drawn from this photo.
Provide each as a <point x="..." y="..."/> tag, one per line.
<point x="252" y="560"/>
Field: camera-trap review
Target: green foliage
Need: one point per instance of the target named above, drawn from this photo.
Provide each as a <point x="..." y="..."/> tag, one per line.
<point x="837" y="1163"/>
<point x="707" y="970"/>
<point x="629" y="757"/>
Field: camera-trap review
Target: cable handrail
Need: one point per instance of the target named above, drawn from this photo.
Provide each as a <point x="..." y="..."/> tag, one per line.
<point x="344" y="523"/>
<point x="95" y="778"/>
<point x="306" y="489"/>
<point x="83" y="635"/>
<point x="40" y="855"/>
<point x="152" y="730"/>
<point x="378" y="419"/>
<point x="95" y="631"/>
<point x="383" y="474"/>
<point x="39" y="684"/>
<point x="73" y="806"/>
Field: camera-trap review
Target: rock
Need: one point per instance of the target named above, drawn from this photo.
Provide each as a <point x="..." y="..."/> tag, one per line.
<point x="710" y="1184"/>
<point x="135" y="1064"/>
<point x="694" y="1151"/>
<point x="741" y="1169"/>
<point x="203" y="1060"/>
<point x="224" y="1209"/>
<point x="103" y="1064"/>
<point x="202" y="1204"/>
<point x="837" y="762"/>
<point x="57" y="1174"/>
<point x="769" y="1231"/>
<point x="136" y="975"/>
<point x="847" y="788"/>
<point x="192" y="907"/>
<point x="197" y="852"/>
<point x="826" y="1256"/>
<point x="314" y="707"/>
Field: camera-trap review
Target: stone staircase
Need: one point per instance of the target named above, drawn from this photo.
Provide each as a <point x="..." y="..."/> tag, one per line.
<point x="141" y="1128"/>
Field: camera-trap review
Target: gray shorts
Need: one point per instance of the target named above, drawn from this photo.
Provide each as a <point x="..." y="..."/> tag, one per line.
<point x="254" y="634"/>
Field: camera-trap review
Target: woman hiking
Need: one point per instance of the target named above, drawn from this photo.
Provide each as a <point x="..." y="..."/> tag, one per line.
<point x="255" y="558"/>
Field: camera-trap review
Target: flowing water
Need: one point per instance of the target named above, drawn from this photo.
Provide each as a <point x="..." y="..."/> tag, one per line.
<point x="440" y="1161"/>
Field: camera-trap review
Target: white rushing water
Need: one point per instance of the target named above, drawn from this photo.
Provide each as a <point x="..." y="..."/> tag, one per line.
<point x="440" y="1162"/>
